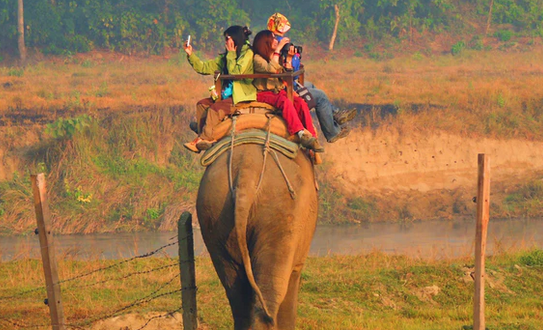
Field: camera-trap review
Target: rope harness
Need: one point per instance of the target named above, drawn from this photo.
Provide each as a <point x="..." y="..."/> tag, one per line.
<point x="232" y="140"/>
<point x="266" y="149"/>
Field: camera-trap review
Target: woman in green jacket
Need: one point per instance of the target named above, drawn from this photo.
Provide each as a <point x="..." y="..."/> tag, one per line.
<point x="238" y="59"/>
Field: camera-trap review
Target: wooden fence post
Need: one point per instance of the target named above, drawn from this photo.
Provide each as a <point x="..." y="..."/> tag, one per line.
<point x="188" y="274"/>
<point x="483" y="207"/>
<point x="47" y="251"/>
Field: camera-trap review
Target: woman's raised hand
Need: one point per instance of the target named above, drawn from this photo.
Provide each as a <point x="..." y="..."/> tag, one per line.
<point x="282" y="43"/>
<point x="188" y="49"/>
<point x="230" y="46"/>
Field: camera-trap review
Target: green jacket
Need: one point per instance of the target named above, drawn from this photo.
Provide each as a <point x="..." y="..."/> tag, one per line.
<point x="243" y="90"/>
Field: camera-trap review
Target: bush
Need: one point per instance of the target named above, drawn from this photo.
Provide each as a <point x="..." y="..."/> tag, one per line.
<point x="504" y="35"/>
<point x="534" y="258"/>
<point x="458" y="48"/>
<point x="52" y="50"/>
<point x="476" y="43"/>
<point x="65" y="128"/>
<point x="361" y="209"/>
<point x="79" y="44"/>
<point x="528" y="199"/>
<point x="16" y="72"/>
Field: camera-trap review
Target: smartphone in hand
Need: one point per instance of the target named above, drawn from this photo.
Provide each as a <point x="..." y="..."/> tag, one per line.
<point x="188" y="41"/>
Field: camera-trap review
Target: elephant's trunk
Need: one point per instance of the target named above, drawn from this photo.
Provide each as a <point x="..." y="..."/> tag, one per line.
<point x="243" y="201"/>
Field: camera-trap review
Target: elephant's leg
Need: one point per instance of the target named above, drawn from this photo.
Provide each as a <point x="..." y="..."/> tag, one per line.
<point x="241" y="298"/>
<point x="286" y="318"/>
<point x="272" y="277"/>
<point x="238" y="289"/>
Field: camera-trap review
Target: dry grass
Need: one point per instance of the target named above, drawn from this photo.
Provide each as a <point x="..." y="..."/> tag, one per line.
<point x="92" y="83"/>
<point x="443" y="80"/>
<point x="480" y="93"/>
<point x="466" y="88"/>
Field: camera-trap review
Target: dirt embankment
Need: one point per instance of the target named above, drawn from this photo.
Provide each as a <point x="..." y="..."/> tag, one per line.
<point x="388" y="175"/>
<point x="402" y="175"/>
<point x="384" y="160"/>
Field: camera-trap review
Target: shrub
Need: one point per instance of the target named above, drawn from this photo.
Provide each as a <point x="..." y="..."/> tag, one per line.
<point x="16" y="72"/>
<point x="418" y="56"/>
<point x="87" y="64"/>
<point x="534" y="258"/>
<point x="65" y="128"/>
<point x="528" y="199"/>
<point x="476" y="43"/>
<point x="361" y="209"/>
<point x="458" y="48"/>
<point x="79" y="44"/>
<point x="504" y="35"/>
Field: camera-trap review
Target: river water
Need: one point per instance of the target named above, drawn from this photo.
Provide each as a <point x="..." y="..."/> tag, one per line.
<point x="428" y="239"/>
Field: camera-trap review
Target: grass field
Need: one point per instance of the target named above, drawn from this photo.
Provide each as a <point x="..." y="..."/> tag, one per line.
<point x="491" y="93"/>
<point x="373" y="291"/>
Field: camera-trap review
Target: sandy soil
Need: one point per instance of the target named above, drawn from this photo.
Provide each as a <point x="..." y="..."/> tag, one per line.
<point x="381" y="161"/>
<point x="385" y="160"/>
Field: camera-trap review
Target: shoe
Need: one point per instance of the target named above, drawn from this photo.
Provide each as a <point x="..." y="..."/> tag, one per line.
<point x="205" y="144"/>
<point x="192" y="145"/>
<point x="342" y="133"/>
<point x="343" y="116"/>
<point x="307" y="140"/>
<point x="193" y="126"/>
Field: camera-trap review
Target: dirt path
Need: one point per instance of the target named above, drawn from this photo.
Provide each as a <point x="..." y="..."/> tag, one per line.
<point x="136" y="321"/>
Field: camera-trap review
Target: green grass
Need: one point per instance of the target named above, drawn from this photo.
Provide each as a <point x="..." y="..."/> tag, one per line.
<point x="118" y="173"/>
<point x="527" y="200"/>
<point x="374" y="291"/>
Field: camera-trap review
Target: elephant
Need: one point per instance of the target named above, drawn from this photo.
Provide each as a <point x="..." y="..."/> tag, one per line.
<point x="259" y="235"/>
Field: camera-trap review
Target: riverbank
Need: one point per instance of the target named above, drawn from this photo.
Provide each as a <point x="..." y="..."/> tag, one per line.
<point x="109" y="133"/>
<point x="370" y="291"/>
<point x="431" y="239"/>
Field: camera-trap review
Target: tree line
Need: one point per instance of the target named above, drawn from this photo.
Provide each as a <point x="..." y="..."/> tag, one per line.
<point x="151" y="26"/>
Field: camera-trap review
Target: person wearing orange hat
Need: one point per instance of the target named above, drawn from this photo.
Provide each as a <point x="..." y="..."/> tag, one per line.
<point x="331" y="119"/>
<point x="278" y="24"/>
<point x="272" y="90"/>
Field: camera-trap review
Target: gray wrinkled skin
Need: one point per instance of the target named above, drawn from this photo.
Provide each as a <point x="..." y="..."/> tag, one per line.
<point x="263" y="239"/>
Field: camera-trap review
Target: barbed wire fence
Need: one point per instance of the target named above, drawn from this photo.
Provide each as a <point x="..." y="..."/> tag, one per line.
<point x="140" y="301"/>
<point x="178" y="284"/>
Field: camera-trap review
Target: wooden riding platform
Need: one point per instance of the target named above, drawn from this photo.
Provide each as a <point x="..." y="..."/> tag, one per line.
<point x="257" y="116"/>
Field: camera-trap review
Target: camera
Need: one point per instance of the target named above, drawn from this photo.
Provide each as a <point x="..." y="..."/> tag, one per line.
<point x="290" y="61"/>
<point x="286" y="48"/>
